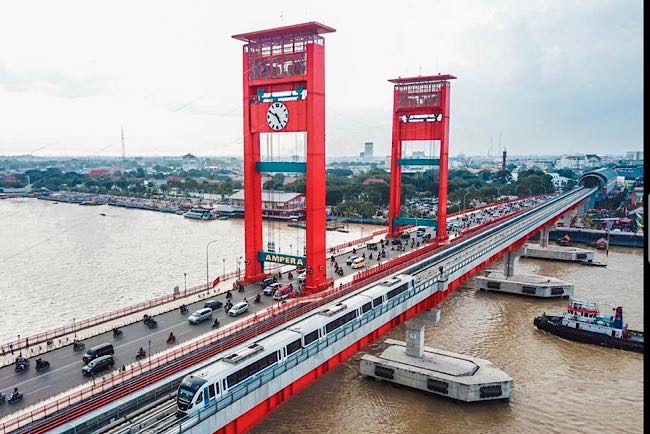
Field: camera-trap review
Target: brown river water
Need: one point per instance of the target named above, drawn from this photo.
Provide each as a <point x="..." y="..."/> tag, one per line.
<point x="70" y="261"/>
<point x="559" y="386"/>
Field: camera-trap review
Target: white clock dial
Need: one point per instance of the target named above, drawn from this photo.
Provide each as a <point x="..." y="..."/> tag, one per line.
<point x="277" y="116"/>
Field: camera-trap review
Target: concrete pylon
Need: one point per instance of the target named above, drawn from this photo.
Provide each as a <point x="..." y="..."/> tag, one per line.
<point x="544" y="233"/>
<point x="509" y="262"/>
<point x="415" y="331"/>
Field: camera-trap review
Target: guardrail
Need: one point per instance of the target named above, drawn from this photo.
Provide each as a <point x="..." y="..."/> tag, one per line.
<point x="168" y="363"/>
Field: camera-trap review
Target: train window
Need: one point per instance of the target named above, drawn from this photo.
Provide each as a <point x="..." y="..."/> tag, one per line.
<point x="293" y="347"/>
<point x="377" y="301"/>
<point x="366" y="307"/>
<point x="199" y="398"/>
<point x="397" y="291"/>
<point x="211" y="391"/>
<point x="333" y="325"/>
<point x="252" y="369"/>
<point x="311" y="337"/>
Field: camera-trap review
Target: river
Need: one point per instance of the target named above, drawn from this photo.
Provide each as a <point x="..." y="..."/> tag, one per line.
<point x="60" y="262"/>
<point x="63" y="261"/>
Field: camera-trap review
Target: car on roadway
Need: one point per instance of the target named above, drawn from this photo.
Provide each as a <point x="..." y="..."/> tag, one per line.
<point x="200" y="315"/>
<point x="284" y="292"/>
<point x="268" y="281"/>
<point x="238" y="308"/>
<point x="270" y="289"/>
<point x="98" y="365"/>
<point x="213" y="304"/>
<point x="396" y="242"/>
<point x="302" y="277"/>
<point x="351" y="259"/>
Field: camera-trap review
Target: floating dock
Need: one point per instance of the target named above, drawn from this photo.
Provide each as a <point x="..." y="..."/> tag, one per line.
<point x="524" y="284"/>
<point x="457" y="376"/>
<point x="560" y="253"/>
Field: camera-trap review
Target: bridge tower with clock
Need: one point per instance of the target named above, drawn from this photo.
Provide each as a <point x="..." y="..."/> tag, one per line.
<point x="284" y="91"/>
<point x="420" y="112"/>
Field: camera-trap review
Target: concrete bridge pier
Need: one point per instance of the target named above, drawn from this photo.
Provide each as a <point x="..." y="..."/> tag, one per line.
<point x="443" y="279"/>
<point x="544" y="234"/>
<point x="509" y="262"/>
<point x="415" y="331"/>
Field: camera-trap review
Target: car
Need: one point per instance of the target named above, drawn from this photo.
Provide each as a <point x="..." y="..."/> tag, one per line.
<point x="213" y="304"/>
<point x="238" y="309"/>
<point x="405" y="236"/>
<point x="358" y="263"/>
<point x="268" y="281"/>
<point x="396" y="242"/>
<point x="372" y="246"/>
<point x="270" y="290"/>
<point x="283" y="292"/>
<point x="419" y="234"/>
<point x="200" y="315"/>
<point x="99" y="364"/>
<point x="302" y="277"/>
<point x="98" y="351"/>
<point x="351" y="259"/>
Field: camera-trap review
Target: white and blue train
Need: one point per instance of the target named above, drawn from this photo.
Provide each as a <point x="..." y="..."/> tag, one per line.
<point x="203" y="387"/>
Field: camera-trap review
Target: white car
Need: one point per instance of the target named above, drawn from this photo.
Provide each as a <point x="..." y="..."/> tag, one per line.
<point x="200" y="315"/>
<point x="238" y="309"/>
<point x="302" y="277"/>
<point x="270" y="289"/>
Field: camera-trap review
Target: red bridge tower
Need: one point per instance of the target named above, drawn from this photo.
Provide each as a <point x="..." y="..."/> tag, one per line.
<point x="284" y="91"/>
<point x="420" y="112"/>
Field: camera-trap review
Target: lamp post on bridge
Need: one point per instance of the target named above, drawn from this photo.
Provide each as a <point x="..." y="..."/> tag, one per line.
<point x="185" y="276"/>
<point x="207" y="273"/>
<point x="464" y="196"/>
<point x="224" y="265"/>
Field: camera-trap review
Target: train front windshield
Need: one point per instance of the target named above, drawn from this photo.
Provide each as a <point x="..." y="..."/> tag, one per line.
<point x="187" y="390"/>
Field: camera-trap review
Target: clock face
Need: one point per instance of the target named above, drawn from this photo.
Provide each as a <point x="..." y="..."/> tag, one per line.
<point x="277" y="116"/>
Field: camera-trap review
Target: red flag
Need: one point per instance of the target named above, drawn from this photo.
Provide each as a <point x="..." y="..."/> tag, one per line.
<point x="215" y="281"/>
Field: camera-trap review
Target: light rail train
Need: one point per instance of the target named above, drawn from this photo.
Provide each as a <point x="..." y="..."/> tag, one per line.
<point x="199" y="389"/>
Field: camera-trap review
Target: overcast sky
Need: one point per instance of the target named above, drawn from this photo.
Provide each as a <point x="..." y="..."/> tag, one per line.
<point x="548" y="76"/>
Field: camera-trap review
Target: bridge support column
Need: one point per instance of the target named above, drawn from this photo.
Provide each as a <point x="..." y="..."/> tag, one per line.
<point x="509" y="262"/>
<point x="415" y="331"/>
<point x="543" y="235"/>
<point x="443" y="279"/>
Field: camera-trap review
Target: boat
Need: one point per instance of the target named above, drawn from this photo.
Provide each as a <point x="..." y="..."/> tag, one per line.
<point x="343" y="229"/>
<point x="224" y="217"/>
<point x="565" y="240"/>
<point x="199" y="214"/>
<point x="294" y="223"/>
<point x="101" y="213"/>
<point x="582" y="323"/>
<point x="601" y="244"/>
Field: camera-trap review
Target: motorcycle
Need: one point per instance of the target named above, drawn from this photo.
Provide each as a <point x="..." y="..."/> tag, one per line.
<point x="258" y="298"/>
<point x="78" y="346"/>
<point x="215" y="323"/>
<point x="227" y="306"/>
<point x="42" y="364"/>
<point x="228" y="295"/>
<point x="2" y="397"/>
<point x="241" y="288"/>
<point x="21" y="364"/>
<point x="184" y="309"/>
<point x="152" y="323"/>
<point x="140" y="355"/>
<point x="15" y="397"/>
<point x="171" y="339"/>
<point x="117" y="333"/>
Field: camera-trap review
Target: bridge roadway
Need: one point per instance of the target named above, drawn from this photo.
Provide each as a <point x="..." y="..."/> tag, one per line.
<point x="65" y="372"/>
<point x="470" y="255"/>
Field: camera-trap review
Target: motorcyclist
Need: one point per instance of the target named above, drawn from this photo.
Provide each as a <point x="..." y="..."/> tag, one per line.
<point x="171" y="337"/>
<point x="76" y="344"/>
<point x="257" y="298"/>
<point x="228" y="295"/>
<point x="14" y="395"/>
<point x="39" y="362"/>
<point x="215" y="322"/>
<point x="141" y="352"/>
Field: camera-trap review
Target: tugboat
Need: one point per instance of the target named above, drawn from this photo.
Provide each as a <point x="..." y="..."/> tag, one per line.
<point x="565" y="240"/>
<point x="582" y="323"/>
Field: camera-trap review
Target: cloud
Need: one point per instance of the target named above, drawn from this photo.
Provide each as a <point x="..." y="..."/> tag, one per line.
<point x="51" y="82"/>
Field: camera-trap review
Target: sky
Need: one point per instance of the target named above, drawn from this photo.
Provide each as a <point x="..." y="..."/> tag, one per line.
<point x="537" y="77"/>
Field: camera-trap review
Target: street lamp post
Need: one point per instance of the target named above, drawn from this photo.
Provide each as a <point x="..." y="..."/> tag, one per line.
<point x="239" y="268"/>
<point x="464" y="196"/>
<point x="20" y="351"/>
<point x="207" y="274"/>
<point x="291" y="248"/>
<point x="149" y="352"/>
<point x="224" y="265"/>
<point x="185" y="275"/>
<point x="74" y="329"/>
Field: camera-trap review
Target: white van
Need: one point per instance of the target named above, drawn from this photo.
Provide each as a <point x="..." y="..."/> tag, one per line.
<point x="358" y="263"/>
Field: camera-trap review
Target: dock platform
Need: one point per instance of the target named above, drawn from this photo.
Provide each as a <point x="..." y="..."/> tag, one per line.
<point x="562" y="253"/>
<point x="524" y="284"/>
<point x="457" y="376"/>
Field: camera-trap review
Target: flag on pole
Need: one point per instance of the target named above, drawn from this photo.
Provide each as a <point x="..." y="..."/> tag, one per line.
<point x="607" y="246"/>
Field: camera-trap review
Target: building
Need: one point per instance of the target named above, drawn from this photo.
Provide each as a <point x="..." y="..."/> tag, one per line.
<point x="630" y="173"/>
<point x="275" y="204"/>
<point x="634" y="155"/>
<point x="579" y="162"/>
<point x="190" y="162"/>
<point x="557" y="180"/>
<point x="96" y="172"/>
<point x="368" y="152"/>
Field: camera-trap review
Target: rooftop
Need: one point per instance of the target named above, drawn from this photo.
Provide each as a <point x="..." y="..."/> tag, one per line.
<point x="311" y="27"/>
<point x="422" y="79"/>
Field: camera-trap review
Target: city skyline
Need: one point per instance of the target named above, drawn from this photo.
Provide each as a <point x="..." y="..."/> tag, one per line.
<point x="177" y="87"/>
